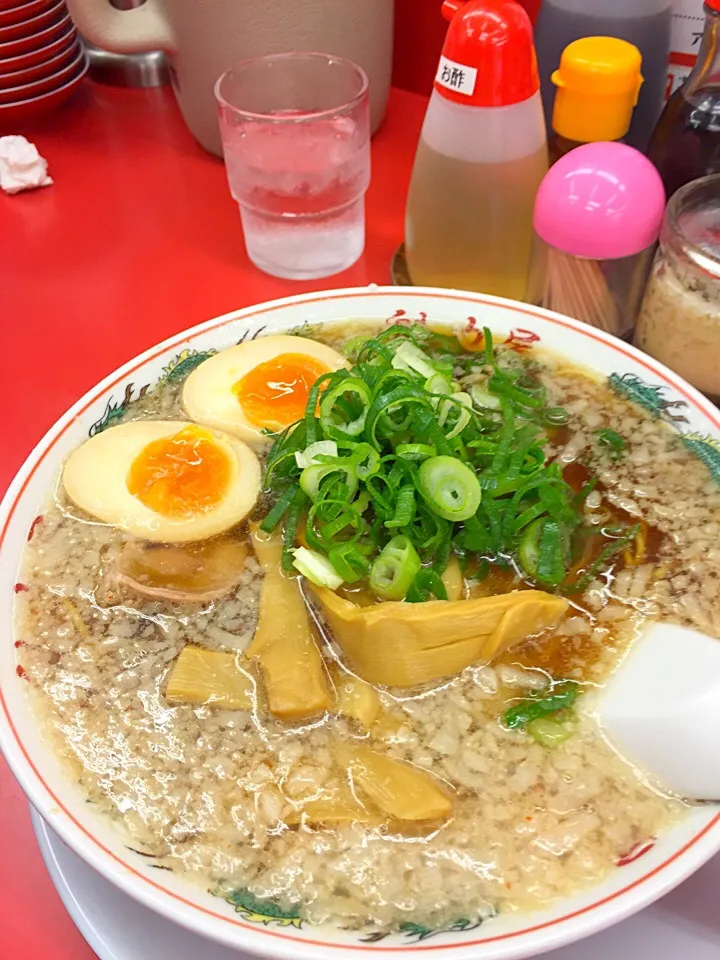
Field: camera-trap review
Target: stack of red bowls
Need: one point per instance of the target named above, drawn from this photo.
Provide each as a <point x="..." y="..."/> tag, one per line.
<point x="42" y="59"/>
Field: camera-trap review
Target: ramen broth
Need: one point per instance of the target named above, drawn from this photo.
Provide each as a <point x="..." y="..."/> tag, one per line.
<point x="217" y="794"/>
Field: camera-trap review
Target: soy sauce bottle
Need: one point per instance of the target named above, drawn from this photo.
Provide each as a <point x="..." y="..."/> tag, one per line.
<point x="597" y="82"/>
<point x="644" y="23"/>
<point x="685" y="144"/>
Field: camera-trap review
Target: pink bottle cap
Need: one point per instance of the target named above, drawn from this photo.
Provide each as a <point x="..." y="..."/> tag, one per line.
<point x="601" y="201"/>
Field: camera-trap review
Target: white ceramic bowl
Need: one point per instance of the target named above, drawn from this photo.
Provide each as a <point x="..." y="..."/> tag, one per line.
<point x="644" y="875"/>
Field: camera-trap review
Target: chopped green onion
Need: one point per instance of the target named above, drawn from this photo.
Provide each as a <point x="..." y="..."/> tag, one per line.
<point x="279" y="510"/>
<point x="561" y="697"/>
<point x="407" y="396"/>
<point x="611" y="550"/>
<point x="331" y="516"/>
<point x="551" y="554"/>
<point x="397" y="444"/>
<point x="382" y="355"/>
<point x="505" y="440"/>
<point x="353" y="346"/>
<point x="459" y="403"/>
<point x="557" y="503"/>
<point x="449" y="487"/>
<point x="292" y="519"/>
<point x="312" y="477"/>
<point x="306" y="457"/>
<point x="364" y="458"/>
<point x="334" y="516"/>
<point x="548" y="732"/>
<point x="612" y="440"/>
<point x="334" y="420"/>
<point x="404" y="508"/>
<point x="316" y="567"/>
<point x="484" y="399"/>
<point x="409" y="357"/>
<point x="528" y="548"/>
<point x="311" y="421"/>
<point x="474" y="536"/>
<point x="438" y="385"/>
<point x="427" y="531"/>
<point x="542" y="550"/>
<point x="442" y="555"/>
<point x="415" y="451"/>
<point x="586" y="490"/>
<point x="516" y="524"/>
<point x="492" y="512"/>
<point x="488" y="346"/>
<point x="281" y="464"/>
<point x="427" y="583"/>
<point x="503" y="387"/>
<point x="394" y="570"/>
<point x="349" y="562"/>
<point x="427" y="429"/>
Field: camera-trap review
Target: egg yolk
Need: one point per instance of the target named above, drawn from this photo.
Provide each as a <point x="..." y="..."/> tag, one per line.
<point x="182" y="475"/>
<point x="275" y="393"/>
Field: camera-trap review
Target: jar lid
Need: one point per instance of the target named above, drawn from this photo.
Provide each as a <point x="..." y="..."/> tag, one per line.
<point x="601" y="201"/>
<point x="488" y="59"/>
<point x="692" y="223"/>
<point x="598" y="84"/>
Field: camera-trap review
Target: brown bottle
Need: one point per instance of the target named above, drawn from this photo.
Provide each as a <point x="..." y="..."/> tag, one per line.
<point x="685" y="144"/>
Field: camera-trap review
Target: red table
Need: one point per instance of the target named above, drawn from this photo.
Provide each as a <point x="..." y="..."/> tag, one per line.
<point x="137" y="240"/>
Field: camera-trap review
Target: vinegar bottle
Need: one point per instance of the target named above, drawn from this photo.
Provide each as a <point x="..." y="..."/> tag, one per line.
<point x="481" y="156"/>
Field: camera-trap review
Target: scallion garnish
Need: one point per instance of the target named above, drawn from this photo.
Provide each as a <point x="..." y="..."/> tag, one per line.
<point x="316" y="567"/>
<point x="395" y="569"/>
<point x="562" y="697"/>
<point x="449" y="487"/>
<point x="422" y="451"/>
<point x="611" y="440"/>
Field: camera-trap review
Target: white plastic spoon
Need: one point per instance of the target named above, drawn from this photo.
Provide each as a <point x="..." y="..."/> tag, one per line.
<point x="661" y="709"/>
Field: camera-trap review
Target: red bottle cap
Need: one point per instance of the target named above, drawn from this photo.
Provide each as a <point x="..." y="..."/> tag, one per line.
<point x="488" y="59"/>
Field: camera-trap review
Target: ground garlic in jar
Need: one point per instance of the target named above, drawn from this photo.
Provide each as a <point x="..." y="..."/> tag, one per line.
<point x="679" y="321"/>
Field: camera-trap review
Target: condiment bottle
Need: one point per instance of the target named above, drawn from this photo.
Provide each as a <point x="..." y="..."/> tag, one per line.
<point x="597" y="217"/>
<point x="644" y="23"/>
<point x="688" y="20"/>
<point x="686" y="142"/>
<point x="481" y="156"/>
<point x="597" y="82"/>
<point x="679" y="323"/>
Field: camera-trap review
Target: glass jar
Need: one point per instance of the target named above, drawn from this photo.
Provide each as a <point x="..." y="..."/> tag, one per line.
<point x="679" y="322"/>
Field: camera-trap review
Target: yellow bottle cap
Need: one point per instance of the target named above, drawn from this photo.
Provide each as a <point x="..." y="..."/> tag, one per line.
<point x="598" y="83"/>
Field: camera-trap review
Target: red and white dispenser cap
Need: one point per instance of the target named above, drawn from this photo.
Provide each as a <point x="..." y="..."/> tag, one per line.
<point x="488" y="59"/>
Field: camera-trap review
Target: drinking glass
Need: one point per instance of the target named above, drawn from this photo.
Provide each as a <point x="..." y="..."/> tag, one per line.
<point x="296" y="138"/>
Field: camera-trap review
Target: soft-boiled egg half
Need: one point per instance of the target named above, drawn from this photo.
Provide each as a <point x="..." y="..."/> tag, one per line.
<point x="164" y="480"/>
<point x="258" y="386"/>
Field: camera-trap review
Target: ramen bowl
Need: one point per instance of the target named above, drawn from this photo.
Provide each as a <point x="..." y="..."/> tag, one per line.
<point x="641" y="875"/>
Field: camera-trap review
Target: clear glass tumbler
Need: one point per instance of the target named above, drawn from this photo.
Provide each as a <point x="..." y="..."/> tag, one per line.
<point x="296" y="137"/>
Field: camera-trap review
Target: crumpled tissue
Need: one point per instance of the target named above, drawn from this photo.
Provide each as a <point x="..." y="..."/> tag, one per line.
<point x="21" y="166"/>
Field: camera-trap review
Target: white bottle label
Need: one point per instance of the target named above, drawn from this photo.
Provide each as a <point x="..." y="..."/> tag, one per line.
<point x="687" y="27"/>
<point x="456" y="76"/>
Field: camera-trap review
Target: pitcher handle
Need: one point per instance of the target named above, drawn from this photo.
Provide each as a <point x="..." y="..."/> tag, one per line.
<point x="122" y="31"/>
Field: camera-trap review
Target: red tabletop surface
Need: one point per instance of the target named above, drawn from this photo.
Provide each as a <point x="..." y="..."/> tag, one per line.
<point x="137" y="240"/>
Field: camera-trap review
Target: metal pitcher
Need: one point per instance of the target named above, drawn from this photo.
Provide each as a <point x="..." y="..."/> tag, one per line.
<point x="203" y="38"/>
